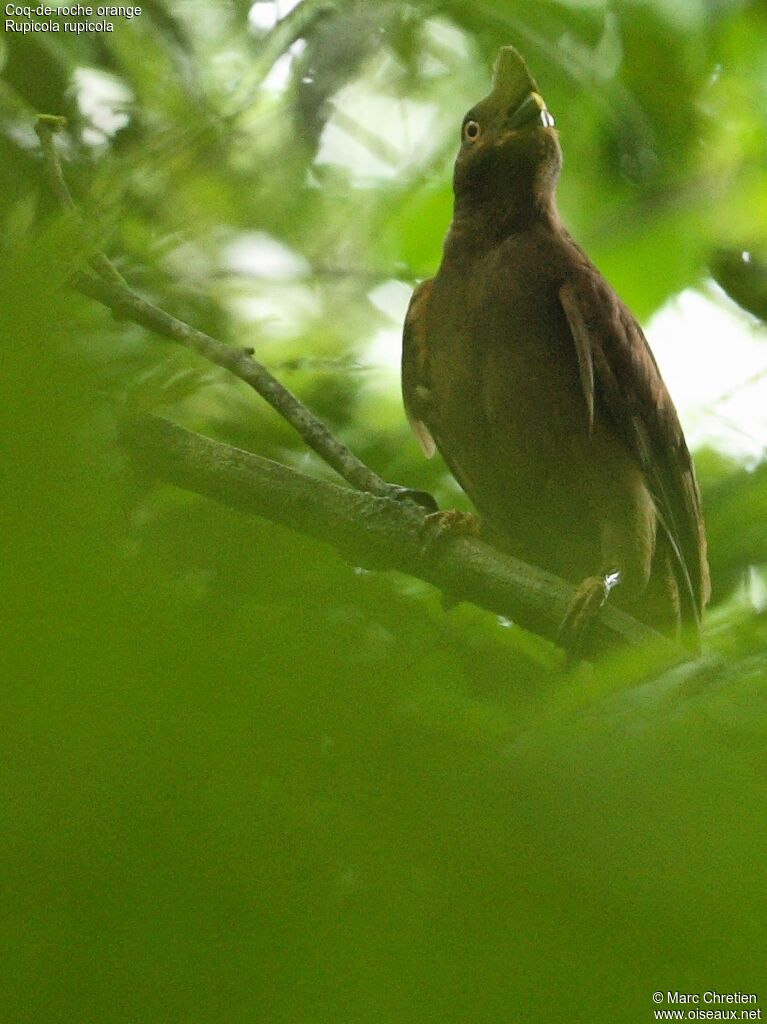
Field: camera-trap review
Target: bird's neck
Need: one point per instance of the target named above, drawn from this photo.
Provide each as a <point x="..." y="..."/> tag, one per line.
<point x="482" y="221"/>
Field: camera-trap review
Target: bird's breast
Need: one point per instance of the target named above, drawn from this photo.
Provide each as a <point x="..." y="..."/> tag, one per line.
<point x="507" y="410"/>
<point x="503" y="368"/>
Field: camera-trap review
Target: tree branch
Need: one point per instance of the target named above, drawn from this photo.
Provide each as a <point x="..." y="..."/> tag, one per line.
<point x="110" y="288"/>
<point x="127" y="304"/>
<point x="376" y="532"/>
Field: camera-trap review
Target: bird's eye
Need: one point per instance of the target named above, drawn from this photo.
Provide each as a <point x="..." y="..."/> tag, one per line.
<point x="471" y="131"/>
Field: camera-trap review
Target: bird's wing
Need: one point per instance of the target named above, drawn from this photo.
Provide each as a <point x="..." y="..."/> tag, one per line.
<point x="415" y="382"/>
<point x="620" y="377"/>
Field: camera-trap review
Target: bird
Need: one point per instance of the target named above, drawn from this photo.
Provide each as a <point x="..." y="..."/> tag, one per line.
<point x="535" y="382"/>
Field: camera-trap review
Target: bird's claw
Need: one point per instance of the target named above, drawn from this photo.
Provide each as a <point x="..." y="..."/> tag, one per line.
<point x="439" y="526"/>
<point x="582" y="610"/>
<point x="421" y="498"/>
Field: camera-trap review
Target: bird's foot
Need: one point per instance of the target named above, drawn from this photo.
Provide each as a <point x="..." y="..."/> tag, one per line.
<point x="441" y="526"/>
<point x="583" y="609"/>
<point x="422" y="498"/>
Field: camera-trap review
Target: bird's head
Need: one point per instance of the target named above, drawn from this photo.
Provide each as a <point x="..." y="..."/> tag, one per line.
<point x="509" y="147"/>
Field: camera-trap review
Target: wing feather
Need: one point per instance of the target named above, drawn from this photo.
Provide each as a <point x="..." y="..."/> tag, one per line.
<point x="580" y="331"/>
<point x="415" y="363"/>
<point x="619" y="375"/>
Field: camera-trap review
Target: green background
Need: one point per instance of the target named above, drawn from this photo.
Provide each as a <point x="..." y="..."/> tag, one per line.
<point x="242" y="780"/>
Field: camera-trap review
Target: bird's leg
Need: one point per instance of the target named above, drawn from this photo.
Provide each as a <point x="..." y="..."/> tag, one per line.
<point x="627" y="541"/>
<point x="583" y="609"/>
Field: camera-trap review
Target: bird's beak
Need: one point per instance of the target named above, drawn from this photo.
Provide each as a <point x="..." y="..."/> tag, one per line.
<point x="530" y="111"/>
<point x="516" y="91"/>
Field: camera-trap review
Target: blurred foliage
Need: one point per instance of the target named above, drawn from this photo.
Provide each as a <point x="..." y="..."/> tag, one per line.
<point x="242" y="780"/>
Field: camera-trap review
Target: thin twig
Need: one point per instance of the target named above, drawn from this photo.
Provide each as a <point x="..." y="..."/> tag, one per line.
<point x="111" y="290"/>
<point x="295" y="24"/>
<point x="126" y="304"/>
<point x="47" y="126"/>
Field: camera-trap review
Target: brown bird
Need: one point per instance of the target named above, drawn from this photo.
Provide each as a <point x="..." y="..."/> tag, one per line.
<point x="535" y="382"/>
